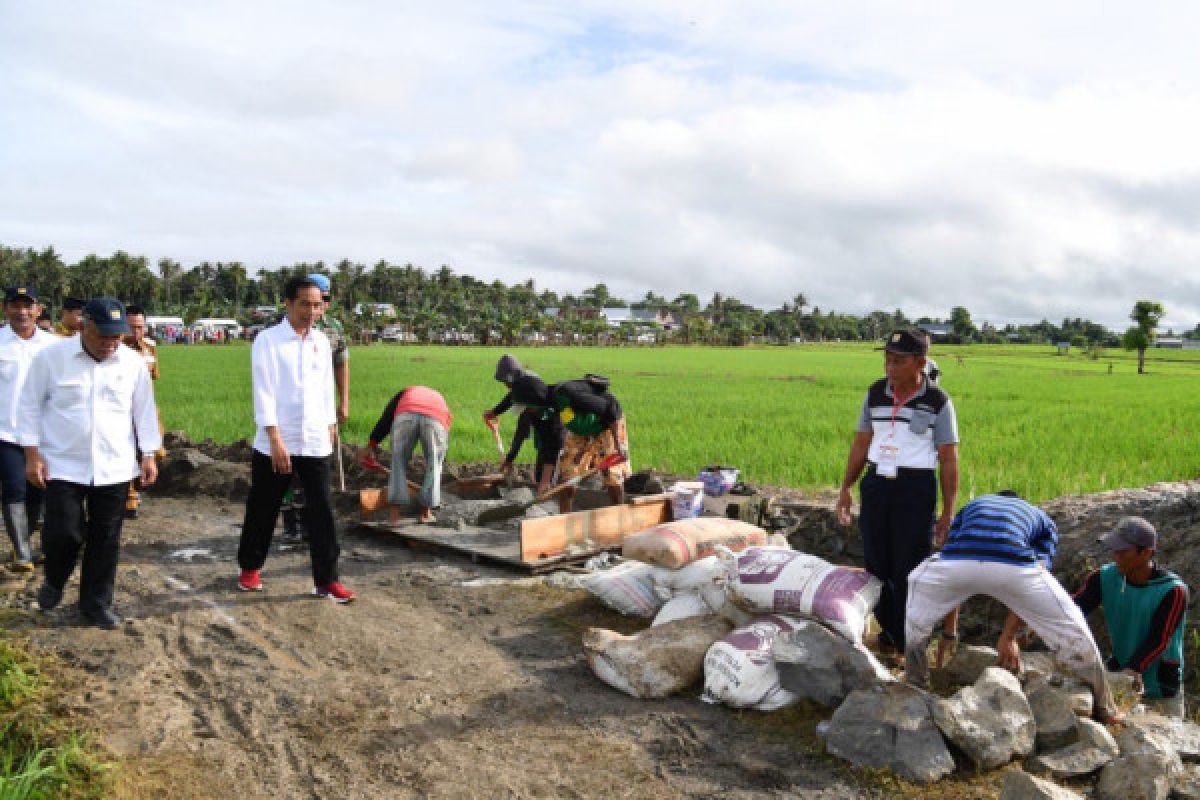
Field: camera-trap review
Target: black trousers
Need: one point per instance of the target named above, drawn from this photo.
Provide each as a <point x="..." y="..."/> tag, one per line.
<point x="896" y="524"/>
<point x="267" y="488"/>
<point x="12" y="478"/>
<point x="88" y="517"/>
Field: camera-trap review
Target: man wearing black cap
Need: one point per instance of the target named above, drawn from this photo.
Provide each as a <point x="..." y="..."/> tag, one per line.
<point x="70" y="321"/>
<point x="86" y="410"/>
<point x="1145" y="608"/>
<point x="906" y="431"/>
<point x="20" y="341"/>
<point x="530" y="397"/>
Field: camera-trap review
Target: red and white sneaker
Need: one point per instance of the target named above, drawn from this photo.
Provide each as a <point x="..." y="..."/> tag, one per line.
<point x="250" y="581"/>
<point x="335" y="592"/>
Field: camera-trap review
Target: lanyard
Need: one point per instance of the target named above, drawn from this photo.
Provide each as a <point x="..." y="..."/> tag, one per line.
<point x="897" y="404"/>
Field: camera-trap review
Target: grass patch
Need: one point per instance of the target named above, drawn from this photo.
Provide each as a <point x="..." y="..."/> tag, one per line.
<point x="42" y="755"/>
<point x="1044" y="424"/>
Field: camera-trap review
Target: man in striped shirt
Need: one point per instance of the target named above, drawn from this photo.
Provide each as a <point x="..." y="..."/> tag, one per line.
<point x="1145" y="607"/>
<point x="1002" y="547"/>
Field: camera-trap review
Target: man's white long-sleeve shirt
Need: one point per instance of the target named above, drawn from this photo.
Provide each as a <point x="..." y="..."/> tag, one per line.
<point x="86" y="417"/>
<point x="16" y="354"/>
<point x="292" y="379"/>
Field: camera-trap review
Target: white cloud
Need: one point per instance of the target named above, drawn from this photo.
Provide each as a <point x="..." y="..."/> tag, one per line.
<point x="1024" y="160"/>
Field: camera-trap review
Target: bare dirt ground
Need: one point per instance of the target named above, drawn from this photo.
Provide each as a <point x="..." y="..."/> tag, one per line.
<point x="428" y="686"/>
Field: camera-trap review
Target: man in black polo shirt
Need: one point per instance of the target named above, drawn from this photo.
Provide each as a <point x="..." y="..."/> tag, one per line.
<point x="906" y="431"/>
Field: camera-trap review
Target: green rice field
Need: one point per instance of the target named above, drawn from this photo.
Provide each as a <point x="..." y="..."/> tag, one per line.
<point x="1029" y="419"/>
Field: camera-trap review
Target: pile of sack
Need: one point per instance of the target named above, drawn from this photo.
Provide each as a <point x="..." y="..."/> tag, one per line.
<point x="721" y="595"/>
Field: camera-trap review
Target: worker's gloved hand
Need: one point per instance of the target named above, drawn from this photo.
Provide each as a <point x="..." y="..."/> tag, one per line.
<point x="366" y="456"/>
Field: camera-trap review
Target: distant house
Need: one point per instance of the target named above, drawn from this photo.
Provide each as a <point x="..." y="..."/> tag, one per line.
<point x="642" y="317"/>
<point x="667" y="320"/>
<point x="385" y="310"/>
<point x="616" y="317"/>
<point x="1169" y="342"/>
<point x="938" y="331"/>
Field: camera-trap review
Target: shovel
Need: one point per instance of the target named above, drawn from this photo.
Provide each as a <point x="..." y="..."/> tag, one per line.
<point x="495" y="426"/>
<point x="517" y="509"/>
<point x="371" y="500"/>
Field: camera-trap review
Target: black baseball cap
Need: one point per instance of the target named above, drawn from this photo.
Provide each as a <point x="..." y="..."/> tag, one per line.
<point x="907" y="342"/>
<point x="72" y="304"/>
<point x="108" y="314"/>
<point x="20" y="291"/>
<point x="1131" y="532"/>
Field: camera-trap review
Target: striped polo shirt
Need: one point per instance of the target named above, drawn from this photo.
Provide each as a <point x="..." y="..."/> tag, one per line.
<point x="1004" y="529"/>
<point x="925" y="422"/>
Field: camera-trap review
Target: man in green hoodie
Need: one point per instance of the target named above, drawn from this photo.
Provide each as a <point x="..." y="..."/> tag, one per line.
<point x="1145" y="608"/>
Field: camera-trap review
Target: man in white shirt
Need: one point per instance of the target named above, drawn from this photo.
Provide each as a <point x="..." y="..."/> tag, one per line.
<point x="20" y="341"/>
<point x="86" y="408"/>
<point x="292" y="380"/>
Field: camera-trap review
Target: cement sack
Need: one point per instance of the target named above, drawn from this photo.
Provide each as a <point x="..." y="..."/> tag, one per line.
<point x="775" y="580"/>
<point x="658" y="661"/>
<point x="682" y="606"/>
<point x="676" y="544"/>
<point x="739" y="670"/>
<point x="628" y="588"/>
<point x="696" y="575"/>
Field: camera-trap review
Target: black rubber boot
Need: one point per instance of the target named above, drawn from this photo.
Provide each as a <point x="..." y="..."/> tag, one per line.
<point x="17" y="523"/>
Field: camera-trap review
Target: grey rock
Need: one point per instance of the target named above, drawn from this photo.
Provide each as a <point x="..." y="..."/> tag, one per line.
<point x="1137" y="740"/>
<point x="1183" y="736"/>
<point x="991" y="722"/>
<point x="890" y="726"/>
<point x="1040" y="668"/>
<point x="1054" y="713"/>
<point x="969" y="662"/>
<point x="521" y="494"/>
<point x="1145" y="776"/>
<point x="1020" y="785"/>
<point x="1187" y="784"/>
<point x="816" y="663"/>
<point x="1095" y="748"/>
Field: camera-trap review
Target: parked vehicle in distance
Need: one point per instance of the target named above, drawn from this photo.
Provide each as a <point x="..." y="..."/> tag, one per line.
<point x="396" y="333"/>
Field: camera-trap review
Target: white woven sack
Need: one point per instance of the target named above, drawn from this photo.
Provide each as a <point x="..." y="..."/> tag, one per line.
<point x="739" y="670"/>
<point x="782" y="581"/>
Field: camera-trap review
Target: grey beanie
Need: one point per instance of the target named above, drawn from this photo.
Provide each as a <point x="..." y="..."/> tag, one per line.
<point x="507" y="368"/>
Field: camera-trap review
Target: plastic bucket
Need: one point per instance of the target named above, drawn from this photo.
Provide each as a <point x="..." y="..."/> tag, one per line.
<point x="718" y="480"/>
<point x="687" y="500"/>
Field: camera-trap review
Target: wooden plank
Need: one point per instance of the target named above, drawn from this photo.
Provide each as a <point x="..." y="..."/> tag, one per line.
<point x="595" y="530"/>
<point x="497" y="547"/>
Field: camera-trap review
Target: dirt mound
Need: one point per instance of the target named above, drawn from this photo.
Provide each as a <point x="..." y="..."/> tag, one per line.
<point x="1173" y="508"/>
<point x="443" y="680"/>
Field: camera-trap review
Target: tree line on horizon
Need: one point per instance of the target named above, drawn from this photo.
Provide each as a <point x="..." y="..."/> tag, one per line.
<point x="431" y="302"/>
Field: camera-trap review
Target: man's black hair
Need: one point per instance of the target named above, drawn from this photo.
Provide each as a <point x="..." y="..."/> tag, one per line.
<point x="293" y="286"/>
<point x="1009" y="493"/>
<point x="135" y="311"/>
